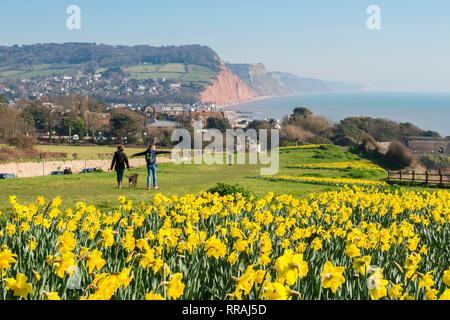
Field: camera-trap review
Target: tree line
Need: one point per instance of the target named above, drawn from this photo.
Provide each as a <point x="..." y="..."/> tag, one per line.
<point x="64" y="116"/>
<point x="102" y="55"/>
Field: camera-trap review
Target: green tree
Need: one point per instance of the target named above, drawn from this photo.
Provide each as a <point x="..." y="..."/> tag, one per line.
<point x="302" y="112"/>
<point x="123" y="126"/>
<point x="77" y="127"/>
<point x="221" y="124"/>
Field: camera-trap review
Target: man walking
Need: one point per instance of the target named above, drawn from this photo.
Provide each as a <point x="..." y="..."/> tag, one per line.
<point x="118" y="163"/>
<point x="150" y="157"/>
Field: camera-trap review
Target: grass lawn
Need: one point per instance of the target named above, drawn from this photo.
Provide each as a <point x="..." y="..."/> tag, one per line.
<point x="99" y="188"/>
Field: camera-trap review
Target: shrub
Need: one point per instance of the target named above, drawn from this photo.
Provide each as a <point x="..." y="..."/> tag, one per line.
<point x="22" y="142"/>
<point x="399" y="155"/>
<point x="53" y="155"/>
<point x="294" y="133"/>
<point x="329" y="147"/>
<point x="230" y="189"/>
<point x="10" y="154"/>
<point x="361" y="173"/>
<point x="436" y="162"/>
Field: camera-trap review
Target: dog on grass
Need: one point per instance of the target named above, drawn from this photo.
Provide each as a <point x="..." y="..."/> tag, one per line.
<point x="133" y="180"/>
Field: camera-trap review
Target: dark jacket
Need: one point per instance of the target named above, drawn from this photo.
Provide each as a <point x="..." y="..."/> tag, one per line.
<point x="119" y="161"/>
<point x="150" y="155"/>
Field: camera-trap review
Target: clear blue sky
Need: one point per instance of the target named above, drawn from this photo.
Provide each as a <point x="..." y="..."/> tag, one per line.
<point x="325" y="39"/>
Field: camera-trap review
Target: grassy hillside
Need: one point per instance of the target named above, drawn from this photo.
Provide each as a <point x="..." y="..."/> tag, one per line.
<point x="37" y="70"/>
<point x="171" y="71"/>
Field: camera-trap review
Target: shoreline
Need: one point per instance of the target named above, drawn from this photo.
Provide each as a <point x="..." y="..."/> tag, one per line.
<point x="394" y="106"/>
<point x="234" y="104"/>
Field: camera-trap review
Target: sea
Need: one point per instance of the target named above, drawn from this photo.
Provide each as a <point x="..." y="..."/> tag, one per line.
<point x="428" y="111"/>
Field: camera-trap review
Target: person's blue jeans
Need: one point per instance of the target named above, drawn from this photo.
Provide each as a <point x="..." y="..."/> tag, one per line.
<point x="120" y="174"/>
<point x="151" y="174"/>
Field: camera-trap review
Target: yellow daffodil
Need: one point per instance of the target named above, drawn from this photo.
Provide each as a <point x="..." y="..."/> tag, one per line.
<point x="175" y="287"/>
<point x="19" y="285"/>
<point x="332" y="276"/>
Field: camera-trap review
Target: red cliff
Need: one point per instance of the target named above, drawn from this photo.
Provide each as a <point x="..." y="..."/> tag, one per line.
<point x="227" y="88"/>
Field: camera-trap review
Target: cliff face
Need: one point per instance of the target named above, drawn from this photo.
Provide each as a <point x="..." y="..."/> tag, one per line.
<point x="227" y="88"/>
<point x="262" y="82"/>
<point x="256" y="76"/>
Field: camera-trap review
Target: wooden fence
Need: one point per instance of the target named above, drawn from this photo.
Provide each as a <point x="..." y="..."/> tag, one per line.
<point x="440" y="179"/>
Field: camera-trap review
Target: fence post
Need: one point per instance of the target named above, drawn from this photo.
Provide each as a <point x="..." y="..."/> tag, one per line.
<point x="389" y="176"/>
<point x="413" y="174"/>
<point x="400" y="175"/>
<point x="440" y="178"/>
<point x="426" y="177"/>
<point x="43" y="166"/>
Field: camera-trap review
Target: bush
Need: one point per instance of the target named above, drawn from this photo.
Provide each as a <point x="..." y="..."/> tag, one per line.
<point x="22" y="142"/>
<point x="11" y="154"/>
<point x="358" y="173"/>
<point x="224" y="189"/>
<point x="331" y="147"/>
<point x="399" y="155"/>
<point x="8" y="154"/>
<point x="331" y="154"/>
<point x="436" y="162"/>
<point x="53" y="155"/>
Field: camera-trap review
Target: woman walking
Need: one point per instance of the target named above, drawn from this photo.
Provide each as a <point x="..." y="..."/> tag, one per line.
<point x="118" y="163"/>
<point x="150" y="157"/>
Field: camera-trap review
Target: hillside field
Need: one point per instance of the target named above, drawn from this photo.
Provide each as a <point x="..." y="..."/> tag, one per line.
<point x="38" y="70"/>
<point x="171" y="71"/>
<point x="99" y="188"/>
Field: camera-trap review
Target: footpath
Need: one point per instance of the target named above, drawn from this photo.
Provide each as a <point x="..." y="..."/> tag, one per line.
<point x="35" y="169"/>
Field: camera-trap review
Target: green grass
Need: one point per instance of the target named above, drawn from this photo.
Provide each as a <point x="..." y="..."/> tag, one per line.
<point x="155" y="75"/>
<point x="198" y="73"/>
<point x="143" y="68"/>
<point x="173" y="67"/>
<point x="100" y="188"/>
<point x="171" y="71"/>
<point x="38" y="70"/>
<point x="6" y="74"/>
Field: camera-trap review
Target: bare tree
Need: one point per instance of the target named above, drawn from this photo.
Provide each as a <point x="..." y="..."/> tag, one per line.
<point x="11" y="123"/>
<point x="91" y="111"/>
